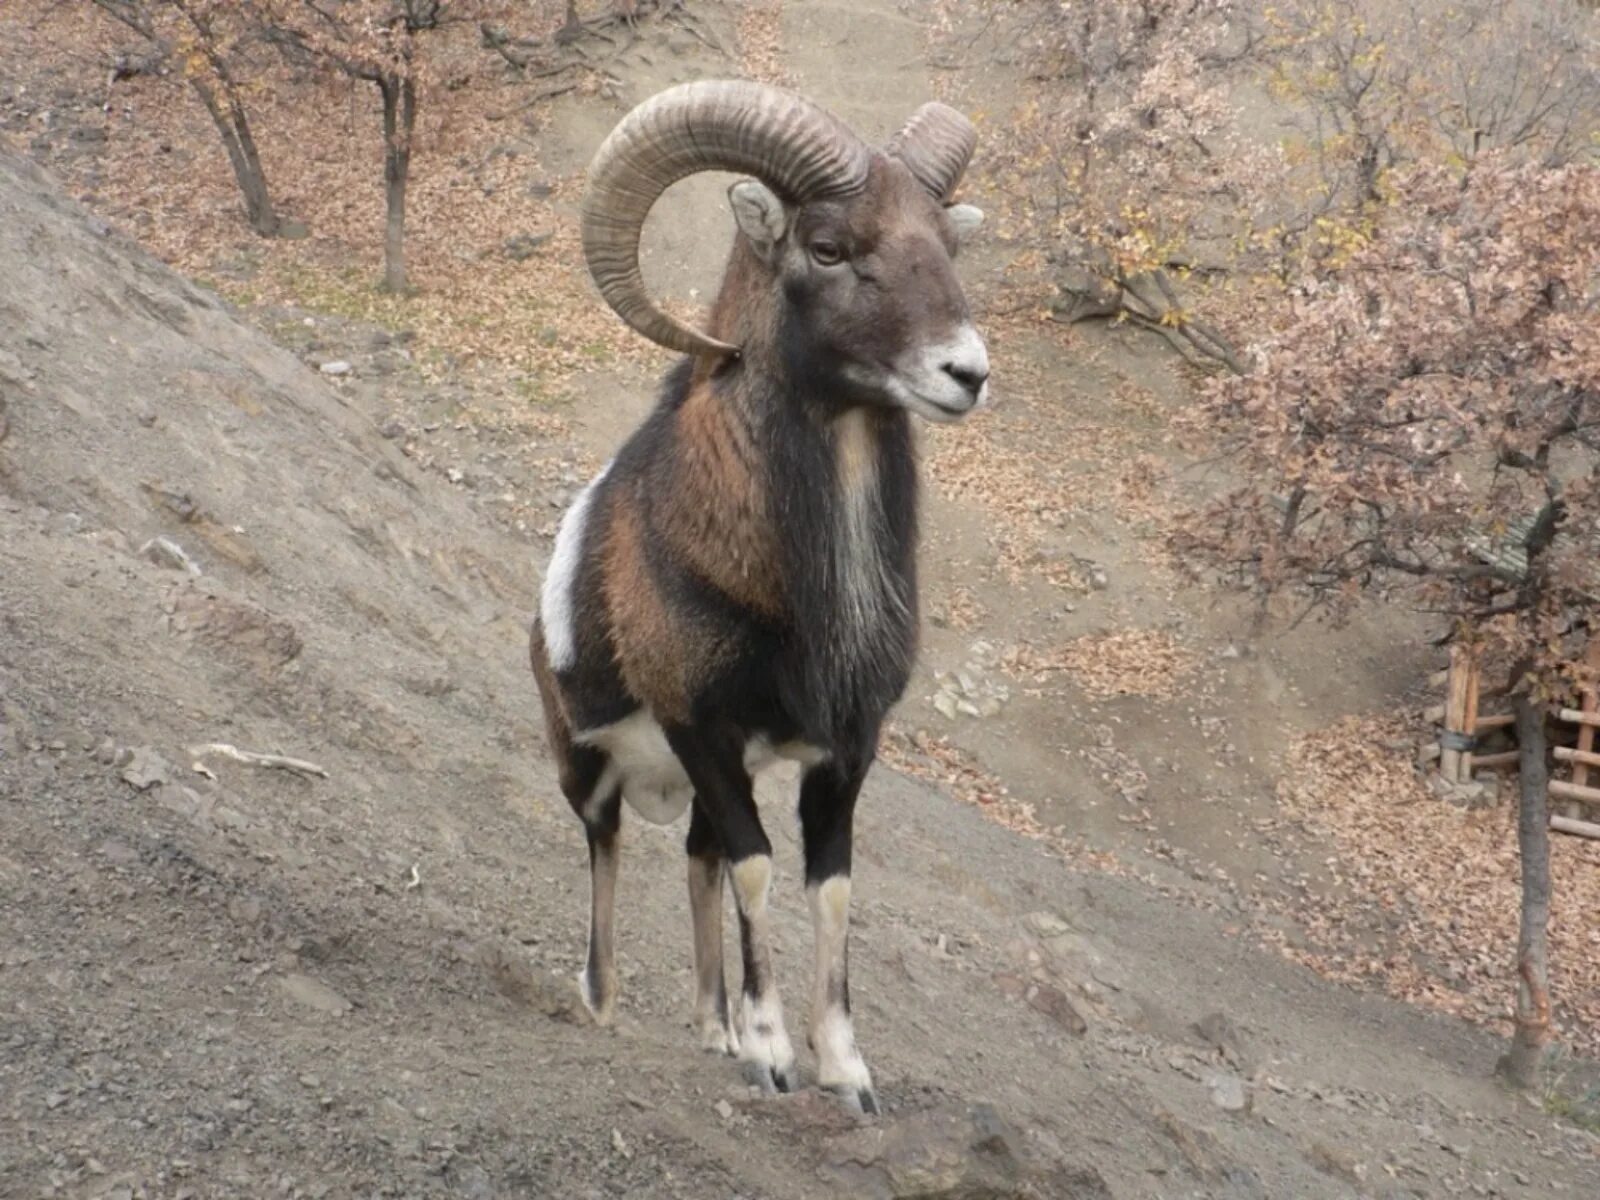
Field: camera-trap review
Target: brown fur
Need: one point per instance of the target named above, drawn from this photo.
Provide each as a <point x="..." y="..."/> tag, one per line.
<point x="716" y="521"/>
<point x="657" y="650"/>
<point x="742" y="312"/>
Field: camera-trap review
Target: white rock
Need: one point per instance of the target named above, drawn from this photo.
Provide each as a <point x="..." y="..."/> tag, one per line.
<point x="313" y="994"/>
<point x="1228" y="1092"/>
<point x="165" y="552"/>
<point x="337" y="367"/>
<point x="146" y="769"/>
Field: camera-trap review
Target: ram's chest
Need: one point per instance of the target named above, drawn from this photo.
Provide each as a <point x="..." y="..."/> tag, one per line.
<point x="867" y="599"/>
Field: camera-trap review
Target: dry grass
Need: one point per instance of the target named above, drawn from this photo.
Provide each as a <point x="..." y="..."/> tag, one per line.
<point x="1440" y="884"/>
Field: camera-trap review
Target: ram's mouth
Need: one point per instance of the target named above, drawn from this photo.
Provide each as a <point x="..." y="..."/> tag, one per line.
<point x="930" y="407"/>
<point x="946" y="411"/>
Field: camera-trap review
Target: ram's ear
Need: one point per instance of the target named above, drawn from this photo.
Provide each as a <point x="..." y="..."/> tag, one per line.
<point x="965" y="220"/>
<point x="760" y="216"/>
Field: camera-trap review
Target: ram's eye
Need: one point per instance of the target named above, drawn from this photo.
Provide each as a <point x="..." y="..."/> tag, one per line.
<point x="827" y="254"/>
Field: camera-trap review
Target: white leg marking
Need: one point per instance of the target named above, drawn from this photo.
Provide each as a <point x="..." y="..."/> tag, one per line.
<point x="763" y="1040"/>
<point x="839" y="1063"/>
<point x="652" y="777"/>
<point x="752" y="882"/>
<point x="555" y="599"/>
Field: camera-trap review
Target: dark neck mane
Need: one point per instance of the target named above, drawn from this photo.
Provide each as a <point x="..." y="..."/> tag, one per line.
<point x="841" y="488"/>
<point x="843" y="495"/>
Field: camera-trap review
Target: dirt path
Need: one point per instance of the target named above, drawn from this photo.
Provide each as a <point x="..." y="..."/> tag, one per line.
<point x="238" y="982"/>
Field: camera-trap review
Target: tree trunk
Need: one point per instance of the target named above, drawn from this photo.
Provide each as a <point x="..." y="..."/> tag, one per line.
<point x="234" y="127"/>
<point x="1520" y="1064"/>
<point x="399" y="119"/>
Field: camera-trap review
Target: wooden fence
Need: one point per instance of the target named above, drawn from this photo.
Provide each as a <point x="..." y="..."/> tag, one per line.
<point x="1462" y="728"/>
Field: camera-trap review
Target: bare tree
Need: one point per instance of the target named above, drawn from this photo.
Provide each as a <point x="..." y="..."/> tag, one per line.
<point x="1122" y="151"/>
<point x="374" y="41"/>
<point x="196" y="33"/>
<point x="1522" y="1059"/>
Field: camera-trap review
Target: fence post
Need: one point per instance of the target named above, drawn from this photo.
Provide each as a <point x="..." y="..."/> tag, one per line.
<point x="1460" y="716"/>
<point x="1587" y="703"/>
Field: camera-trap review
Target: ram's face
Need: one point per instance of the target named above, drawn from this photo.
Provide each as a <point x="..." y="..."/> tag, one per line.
<point x="871" y="309"/>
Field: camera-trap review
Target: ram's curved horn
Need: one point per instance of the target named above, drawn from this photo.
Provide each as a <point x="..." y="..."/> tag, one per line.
<point x="790" y="144"/>
<point x="935" y="144"/>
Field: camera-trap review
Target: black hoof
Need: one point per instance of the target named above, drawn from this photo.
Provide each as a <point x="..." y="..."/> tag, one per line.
<point x="772" y="1081"/>
<point x="861" y="1101"/>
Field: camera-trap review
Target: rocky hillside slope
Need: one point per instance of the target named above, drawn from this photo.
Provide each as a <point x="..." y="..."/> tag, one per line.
<point x="226" y="978"/>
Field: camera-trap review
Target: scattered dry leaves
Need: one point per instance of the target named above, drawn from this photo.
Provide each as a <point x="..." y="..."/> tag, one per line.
<point x="477" y="188"/>
<point x="1122" y="662"/>
<point x="1440" y="886"/>
<point x="760" y="42"/>
<point x="958" y="609"/>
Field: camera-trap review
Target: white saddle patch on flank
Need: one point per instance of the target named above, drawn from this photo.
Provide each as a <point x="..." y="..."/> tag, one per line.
<point x="652" y="779"/>
<point x="561" y="577"/>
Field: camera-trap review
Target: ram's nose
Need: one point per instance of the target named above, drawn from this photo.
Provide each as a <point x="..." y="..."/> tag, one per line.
<point x="966" y="360"/>
<point x="969" y="375"/>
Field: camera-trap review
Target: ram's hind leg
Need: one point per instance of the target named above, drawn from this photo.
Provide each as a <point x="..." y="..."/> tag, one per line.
<point x="827" y="810"/>
<point x="597" y="982"/>
<point x="712" y="1020"/>
<point x="589" y="782"/>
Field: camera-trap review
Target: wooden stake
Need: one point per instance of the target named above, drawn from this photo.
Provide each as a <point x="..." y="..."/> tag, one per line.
<point x="1571" y="825"/>
<point x="1501" y="758"/>
<point x="1563" y="790"/>
<point x="1459" y="717"/>
<point x="1470" y="717"/>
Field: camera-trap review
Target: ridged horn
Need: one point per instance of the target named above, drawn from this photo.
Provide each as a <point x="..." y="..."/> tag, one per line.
<point x="935" y="144"/>
<point x="797" y="149"/>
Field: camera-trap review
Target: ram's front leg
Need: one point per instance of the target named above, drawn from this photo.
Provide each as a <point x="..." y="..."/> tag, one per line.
<point x="827" y="811"/>
<point x="713" y="758"/>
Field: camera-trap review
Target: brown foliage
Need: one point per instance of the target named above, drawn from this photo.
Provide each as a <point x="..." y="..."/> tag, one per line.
<point x="1426" y="419"/>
